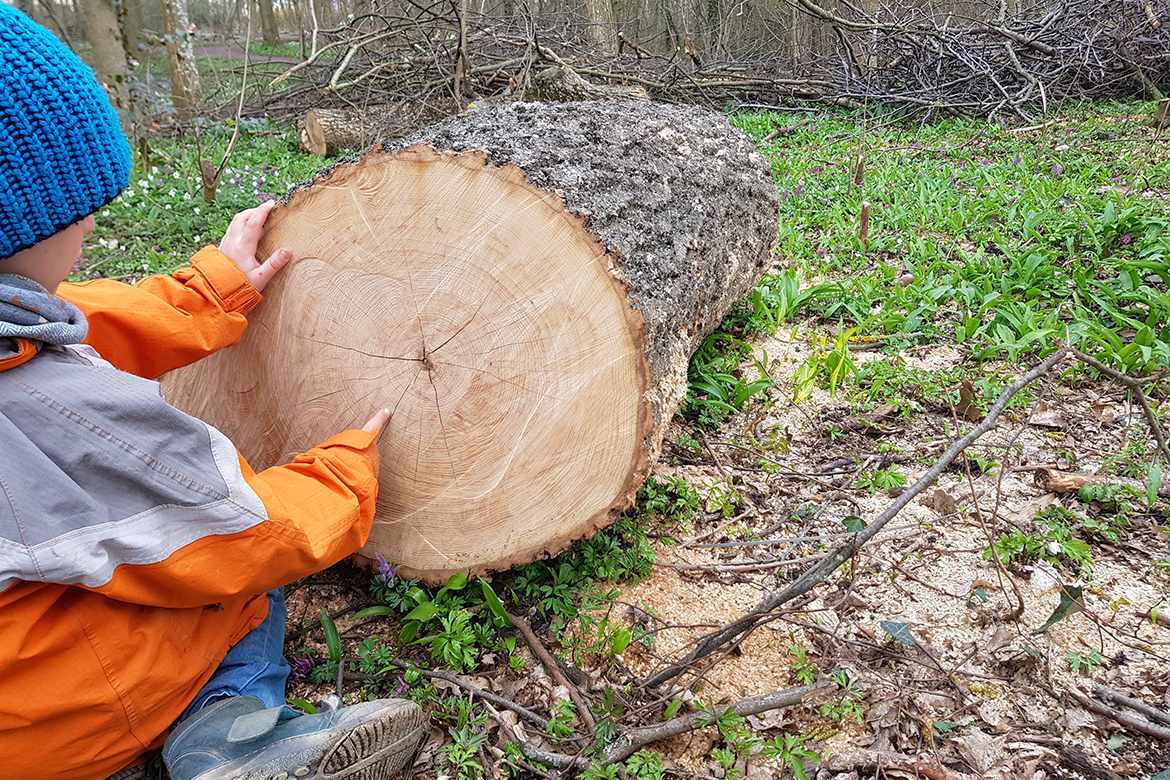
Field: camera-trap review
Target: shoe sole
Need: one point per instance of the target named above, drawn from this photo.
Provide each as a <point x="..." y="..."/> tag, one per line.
<point x="376" y="749"/>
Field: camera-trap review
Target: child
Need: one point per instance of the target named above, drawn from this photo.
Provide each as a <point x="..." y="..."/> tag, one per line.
<point x="140" y="557"/>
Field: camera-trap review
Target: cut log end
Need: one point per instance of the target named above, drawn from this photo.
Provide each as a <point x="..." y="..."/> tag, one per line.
<point x="505" y="348"/>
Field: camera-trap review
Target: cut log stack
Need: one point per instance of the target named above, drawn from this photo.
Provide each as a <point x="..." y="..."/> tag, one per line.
<point x="523" y="287"/>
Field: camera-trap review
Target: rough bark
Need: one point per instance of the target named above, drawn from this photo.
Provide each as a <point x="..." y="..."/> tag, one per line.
<point x="186" y="90"/>
<point x="109" y="56"/>
<point x="458" y="278"/>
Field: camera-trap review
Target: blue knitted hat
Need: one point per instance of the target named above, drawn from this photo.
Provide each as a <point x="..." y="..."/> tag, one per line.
<point x="62" y="152"/>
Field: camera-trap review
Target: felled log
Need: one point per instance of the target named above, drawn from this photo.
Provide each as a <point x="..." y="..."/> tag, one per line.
<point x="323" y="131"/>
<point x="563" y="85"/>
<point x="523" y="287"/>
<point x="1057" y="481"/>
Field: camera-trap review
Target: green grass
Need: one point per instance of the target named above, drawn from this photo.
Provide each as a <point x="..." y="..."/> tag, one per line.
<point x="279" y="50"/>
<point x="1013" y="241"/>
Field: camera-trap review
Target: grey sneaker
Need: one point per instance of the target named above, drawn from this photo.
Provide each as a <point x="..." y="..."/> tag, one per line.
<point x="237" y="739"/>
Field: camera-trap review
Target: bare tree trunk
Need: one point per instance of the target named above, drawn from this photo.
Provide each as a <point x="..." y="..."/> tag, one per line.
<point x="109" y="55"/>
<point x="268" y="27"/>
<point x="601" y="23"/>
<point x="26" y="7"/>
<point x="186" y="91"/>
<point x="133" y="22"/>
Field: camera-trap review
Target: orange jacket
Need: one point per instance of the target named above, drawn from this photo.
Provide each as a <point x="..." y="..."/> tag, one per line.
<point x="112" y="627"/>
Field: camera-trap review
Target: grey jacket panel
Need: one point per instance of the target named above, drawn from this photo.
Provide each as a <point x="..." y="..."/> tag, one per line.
<point x="97" y="470"/>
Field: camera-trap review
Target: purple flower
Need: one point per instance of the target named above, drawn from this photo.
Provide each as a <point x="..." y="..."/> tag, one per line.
<point x="402" y="687"/>
<point x="384" y="571"/>
<point x="265" y="197"/>
<point x="797" y="193"/>
<point x="300" y="668"/>
<point x="1126" y="239"/>
<point x="1057" y="170"/>
<point x="817" y="169"/>
<point x="1016" y="161"/>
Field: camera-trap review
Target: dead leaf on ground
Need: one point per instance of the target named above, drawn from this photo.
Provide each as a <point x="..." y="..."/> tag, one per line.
<point x="981" y="751"/>
<point x="966" y="407"/>
<point x="1046" y="417"/>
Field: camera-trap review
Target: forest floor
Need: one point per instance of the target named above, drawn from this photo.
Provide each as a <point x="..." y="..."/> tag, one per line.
<point x="934" y="659"/>
<point x="937" y="671"/>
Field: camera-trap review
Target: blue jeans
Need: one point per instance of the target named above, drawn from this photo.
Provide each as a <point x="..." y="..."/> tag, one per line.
<point x="254" y="666"/>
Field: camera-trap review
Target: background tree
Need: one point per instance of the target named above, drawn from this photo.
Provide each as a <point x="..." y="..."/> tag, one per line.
<point x="109" y="55"/>
<point x="186" y="91"/>
<point x="268" y="26"/>
<point x="601" y="24"/>
<point x="133" y="14"/>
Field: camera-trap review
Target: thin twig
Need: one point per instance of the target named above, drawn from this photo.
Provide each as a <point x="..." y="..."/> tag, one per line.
<point x="1136" y="387"/>
<point x="523" y="712"/>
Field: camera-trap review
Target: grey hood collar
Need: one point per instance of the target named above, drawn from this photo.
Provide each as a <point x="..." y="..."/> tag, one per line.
<point x="28" y="310"/>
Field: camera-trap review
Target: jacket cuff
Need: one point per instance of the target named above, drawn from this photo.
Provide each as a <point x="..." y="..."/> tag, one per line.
<point x="356" y="439"/>
<point x="226" y="280"/>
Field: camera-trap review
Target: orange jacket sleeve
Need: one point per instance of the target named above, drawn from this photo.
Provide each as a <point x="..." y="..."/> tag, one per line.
<point x="319" y="507"/>
<point x="165" y="322"/>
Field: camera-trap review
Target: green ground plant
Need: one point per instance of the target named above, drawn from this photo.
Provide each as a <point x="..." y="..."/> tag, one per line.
<point x="1052" y="540"/>
<point x="792" y="752"/>
<point x="876" y="480"/>
<point x="1011" y="245"/>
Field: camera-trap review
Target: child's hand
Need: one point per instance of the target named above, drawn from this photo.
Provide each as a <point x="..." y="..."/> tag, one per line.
<point x="239" y="243"/>
<point x="377" y="421"/>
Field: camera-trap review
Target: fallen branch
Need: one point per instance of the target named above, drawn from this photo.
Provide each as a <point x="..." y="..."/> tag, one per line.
<point x="742" y="567"/>
<point x="845" y="552"/>
<point x="1130" y="721"/>
<point x="583" y="710"/>
<point x="1108" y="695"/>
<point x="1057" y="481"/>
<point x="869" y="760"/>
<point x="635" y="739"/>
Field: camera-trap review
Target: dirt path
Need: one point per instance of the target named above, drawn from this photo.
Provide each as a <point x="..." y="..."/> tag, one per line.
<point x="235" y="51"/>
